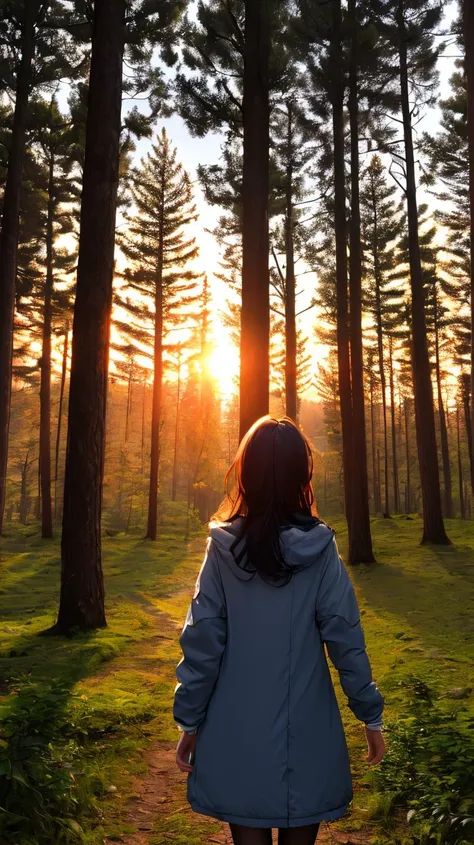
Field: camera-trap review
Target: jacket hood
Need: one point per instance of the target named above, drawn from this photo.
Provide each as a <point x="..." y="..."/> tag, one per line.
<point x="303" y="543"/>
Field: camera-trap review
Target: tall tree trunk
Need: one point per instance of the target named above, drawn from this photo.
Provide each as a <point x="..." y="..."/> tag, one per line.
<point x="142" y="446"/>
<point x="129" y="403"/>
<point x="152" y="523"/>
<point x="60" y="416"/>
<point x="448" y="496"/>
<point x="360" y="545"/>
<point x="45" y="388"/>
<point x="290" y="284"/>
<point x="130" y="506"/>
<point x="255" y="314"/>
<point x="460" y="473"/>
<point x="9" y="234"/>
<point x="176" y="433"/>
<point x="340" y="230"/>
<point x="206" y="394"/>
<point x="433" y="526"/>
<point x="467" y="422"/>
<point x="38" y="488"/>
<point x="407" y="454"/>
<point x="82" y="586"/>
<point x="23" y="512"/>
<point x="386" y="511"/>
<point x="379" y="480"/>
<point x="374" y="446"/>
<point x="468" y="9"/>
<point x="396" y="488"/>
<point x="380" y="349"/>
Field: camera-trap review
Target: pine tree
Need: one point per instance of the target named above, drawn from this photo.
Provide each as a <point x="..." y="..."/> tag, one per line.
<point x="410" y="26"/>
<point x="468" y="32"/>
<point x="321" y="28"/>
<point x="50" y="138"/>
<point x="146" y="24"/>
<point x="447" y="175"/>
<point x="159" y="251"/>
<point x="292" y="150"/>
<point x="465" y="395"/>
<point x="41" y="55"/>
<point x="303" y="362"/>
<point x="236" y="48"/>
<point x="373" y="403"/>
<point x="82" y="587"/>
<point x="381" y="227"/>
<point x="439" y="318"/>
<point x="327" y="385"/>
<point x="255" y="312"/>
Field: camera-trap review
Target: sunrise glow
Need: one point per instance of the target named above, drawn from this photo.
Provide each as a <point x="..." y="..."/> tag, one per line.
<point x="224" y="365"/>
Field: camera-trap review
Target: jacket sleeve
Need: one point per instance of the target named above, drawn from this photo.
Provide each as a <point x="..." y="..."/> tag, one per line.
<point x="202" y="642"/>
<point x="337" y="615"/>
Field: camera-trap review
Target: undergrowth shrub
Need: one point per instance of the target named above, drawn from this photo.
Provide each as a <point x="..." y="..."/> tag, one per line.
<point x="429" y="770"/>
<point x="39" y="798"/>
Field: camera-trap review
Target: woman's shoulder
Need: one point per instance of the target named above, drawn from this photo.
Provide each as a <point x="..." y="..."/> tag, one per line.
<point x="225" y="533"/>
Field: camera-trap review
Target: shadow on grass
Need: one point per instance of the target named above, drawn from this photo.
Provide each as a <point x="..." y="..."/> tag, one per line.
<point x="30" y="579"/>
<point x="40" y="705"/>
<point x="421" y="591"/>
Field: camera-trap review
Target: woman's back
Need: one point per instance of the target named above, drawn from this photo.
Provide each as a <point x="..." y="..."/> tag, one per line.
<point x="272" y="701"/>
<point x="254" y="685"/>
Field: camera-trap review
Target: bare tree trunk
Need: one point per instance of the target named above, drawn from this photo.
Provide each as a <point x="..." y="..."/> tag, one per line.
<point x="9" y="234"/>
<point x="130" y="506"/>
<point x="448" y="496"/>
<point x="176" y="433"/>
<point x="255" y="314"/>
<point x="38" y="489"/>
<point x="396" y="489"/>
<point x="23" y="512"/>
<point x="82" y="585"/>
<point x="374" y="446"/>
<point x="60" y="416"/>
<point x="340" y="229"/>
<point x="142" y="445"/>
<point x="45" y="388"/>
<point x="290" y="284"/>
<point x="152" y="524"/>
<point x="467" y="420"/>
<point x="468" y="15"/>
<point x="380" y="350"/>
<point x="433" y="526"/>
<point x="407" y="453"/>
<point x="460" y="473"/>
<point x="360" y="546"/>
<point x="379" y="481"/>
<point x="129" y="404"/>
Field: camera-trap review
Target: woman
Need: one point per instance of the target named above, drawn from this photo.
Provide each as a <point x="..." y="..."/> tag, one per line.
<point x="263" y="741"/>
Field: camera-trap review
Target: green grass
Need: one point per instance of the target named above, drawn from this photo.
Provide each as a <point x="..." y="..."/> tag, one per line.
<point x="114" y="687"/>
<point x="417" y="606"/>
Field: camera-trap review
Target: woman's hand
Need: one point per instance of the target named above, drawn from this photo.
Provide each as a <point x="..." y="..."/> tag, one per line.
<point x="186" y="747"/>
<point x="375" y="746"/>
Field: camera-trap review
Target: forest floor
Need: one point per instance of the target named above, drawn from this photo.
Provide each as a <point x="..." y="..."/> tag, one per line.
<point x="110" y="692"/>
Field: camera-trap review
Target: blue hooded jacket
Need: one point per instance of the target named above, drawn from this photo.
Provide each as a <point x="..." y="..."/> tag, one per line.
<point x="254" y="680"/>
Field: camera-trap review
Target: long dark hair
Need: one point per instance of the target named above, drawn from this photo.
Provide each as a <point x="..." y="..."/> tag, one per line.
<point x="271" y="475"/>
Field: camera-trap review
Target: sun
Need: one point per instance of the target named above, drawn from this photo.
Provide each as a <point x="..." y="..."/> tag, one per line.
<point x="224" y="363"/>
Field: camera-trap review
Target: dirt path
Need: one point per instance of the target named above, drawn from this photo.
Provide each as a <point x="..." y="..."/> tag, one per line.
<point x="161" y="795"/>
<point x="158" y="812"/>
